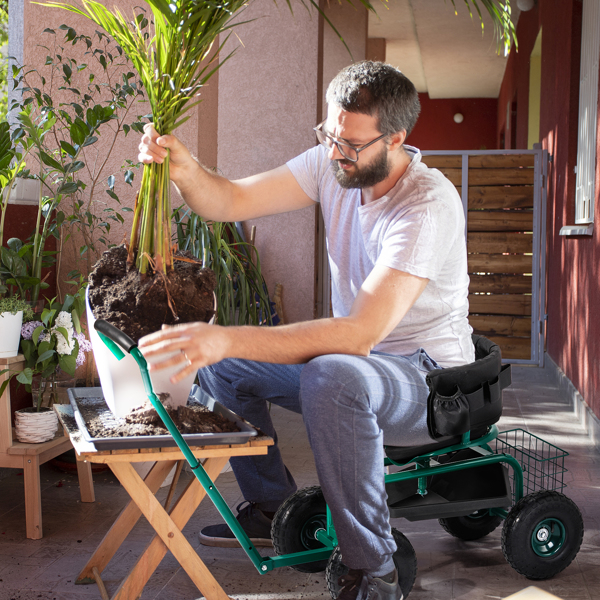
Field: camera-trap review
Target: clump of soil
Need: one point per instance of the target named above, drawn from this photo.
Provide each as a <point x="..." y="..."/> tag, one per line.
<point x="139" y="305"/>
<point x="144" y="420"/>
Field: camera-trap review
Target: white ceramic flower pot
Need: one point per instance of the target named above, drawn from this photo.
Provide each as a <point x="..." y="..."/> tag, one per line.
<point x="10" y="333"/>
<point x="121" y="380"/>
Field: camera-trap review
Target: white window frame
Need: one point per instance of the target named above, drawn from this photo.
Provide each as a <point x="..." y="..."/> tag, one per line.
<point x="588" y="113"/>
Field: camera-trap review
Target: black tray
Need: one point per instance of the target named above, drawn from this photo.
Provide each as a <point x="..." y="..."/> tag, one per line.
<point x="94" y="396"/>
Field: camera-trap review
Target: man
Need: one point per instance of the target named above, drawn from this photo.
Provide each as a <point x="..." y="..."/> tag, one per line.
<point x="395" y="234"/>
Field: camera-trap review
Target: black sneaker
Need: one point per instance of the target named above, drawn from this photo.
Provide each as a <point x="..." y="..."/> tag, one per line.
<point x="253" y="521"/>
<point x="359" y="585"/>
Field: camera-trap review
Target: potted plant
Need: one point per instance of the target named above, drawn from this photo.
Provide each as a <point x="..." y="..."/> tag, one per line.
<point x="53" y="347"/>
<point x="13" y="311"/>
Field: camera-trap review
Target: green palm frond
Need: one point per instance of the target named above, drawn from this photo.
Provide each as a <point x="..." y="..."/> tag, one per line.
<point x="500" y="11"/>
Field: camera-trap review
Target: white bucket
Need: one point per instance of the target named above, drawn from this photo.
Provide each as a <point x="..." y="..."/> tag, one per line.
<point x="10" y="333"/>
<point x="121" y="380"/>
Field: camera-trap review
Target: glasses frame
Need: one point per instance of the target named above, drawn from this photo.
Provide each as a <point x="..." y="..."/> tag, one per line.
<point x="319" y="130"/>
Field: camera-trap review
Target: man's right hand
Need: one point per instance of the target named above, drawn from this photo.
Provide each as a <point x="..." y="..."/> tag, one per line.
<point x="153" y="148"/>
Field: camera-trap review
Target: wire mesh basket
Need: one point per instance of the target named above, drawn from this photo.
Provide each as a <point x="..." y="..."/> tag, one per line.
<point x="543" y="463"/>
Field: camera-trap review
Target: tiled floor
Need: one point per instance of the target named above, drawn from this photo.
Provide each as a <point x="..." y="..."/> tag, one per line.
<point x="448" y="569"/>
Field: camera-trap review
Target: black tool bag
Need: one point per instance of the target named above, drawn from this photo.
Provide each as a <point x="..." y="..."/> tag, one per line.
<point x="470" y="396"/>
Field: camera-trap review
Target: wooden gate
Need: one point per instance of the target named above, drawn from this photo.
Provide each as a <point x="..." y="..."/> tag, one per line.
<point x="504" y="198"/>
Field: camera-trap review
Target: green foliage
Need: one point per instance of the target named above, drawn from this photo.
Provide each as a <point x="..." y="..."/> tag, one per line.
<point x="17" y="265"/>
<point x="65" y="107"/>
<point x="172" y="56"/>
<point x="242" y="297"/>
<point x="3" y="59"/>
<point x="500" y="11"/>
<point x="13" y="305"/>
<point x="52" y="343"/>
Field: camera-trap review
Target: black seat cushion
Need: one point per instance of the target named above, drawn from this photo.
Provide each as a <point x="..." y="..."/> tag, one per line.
<point x="470" y="377"/>
<point x="461" y="399"/>
<point x="469" y="396"/>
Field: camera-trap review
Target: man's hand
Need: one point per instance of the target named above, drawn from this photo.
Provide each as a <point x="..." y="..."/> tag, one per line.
<point x="196" y="345"/>
<point x="154" y="148"/>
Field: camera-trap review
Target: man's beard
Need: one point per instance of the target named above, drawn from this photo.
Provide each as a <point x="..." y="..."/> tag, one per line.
<point x="363" y="177"/>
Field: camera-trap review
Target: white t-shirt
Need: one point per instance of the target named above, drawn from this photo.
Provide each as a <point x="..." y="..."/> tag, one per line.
<point x="418" y="228"/>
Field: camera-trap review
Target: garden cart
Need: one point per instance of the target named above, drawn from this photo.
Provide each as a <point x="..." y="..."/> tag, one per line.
<point x="471" y="478"/>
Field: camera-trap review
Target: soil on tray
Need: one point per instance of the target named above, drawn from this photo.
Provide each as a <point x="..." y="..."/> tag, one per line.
<point x="144" y="421"/>
<point x="139" y="305"/>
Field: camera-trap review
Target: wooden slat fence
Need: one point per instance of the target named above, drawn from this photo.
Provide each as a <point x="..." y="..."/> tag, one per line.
<point x="500" y="226"/>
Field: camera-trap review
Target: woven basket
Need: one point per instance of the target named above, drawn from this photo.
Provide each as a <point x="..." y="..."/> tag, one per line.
<point x="35" y="427"/>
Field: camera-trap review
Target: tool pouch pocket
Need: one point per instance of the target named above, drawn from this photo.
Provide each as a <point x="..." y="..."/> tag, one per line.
<point x="449" y="415"/>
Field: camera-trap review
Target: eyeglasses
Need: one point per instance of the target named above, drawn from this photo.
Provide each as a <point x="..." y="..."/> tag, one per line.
<point x="346" y="150"/>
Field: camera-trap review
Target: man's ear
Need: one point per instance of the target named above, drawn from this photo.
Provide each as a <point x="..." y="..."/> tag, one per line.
<point x="396" y="140"/>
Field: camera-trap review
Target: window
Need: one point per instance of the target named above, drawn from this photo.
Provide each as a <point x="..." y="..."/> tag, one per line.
<point x="588" y="109"/>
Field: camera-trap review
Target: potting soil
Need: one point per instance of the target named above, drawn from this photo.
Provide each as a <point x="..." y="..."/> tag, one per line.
<point x="139" y="305"/>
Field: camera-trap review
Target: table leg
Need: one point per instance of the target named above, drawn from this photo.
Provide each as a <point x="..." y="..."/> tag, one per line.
<point x="86" y="483"/>
<point x="33" y="497"/>
<point x="122" y="526"/>
<point x="186" y="505"/>
<point x="169" y="533"/>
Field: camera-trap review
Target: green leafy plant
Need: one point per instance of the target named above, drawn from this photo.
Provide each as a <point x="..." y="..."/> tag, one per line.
<point x="98" y="94"/>
<point x="241" y="289"/>
<point x="501" y="13"/>
<point x="173" y="64"/>
<point x="54" y="343"/>
<point x="14" y="304"/>
<point x="3" y="58"/>
<point x="16" y="260"/>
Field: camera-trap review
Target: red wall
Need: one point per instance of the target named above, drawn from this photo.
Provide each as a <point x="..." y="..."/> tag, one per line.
<point x="436" y="129"/>
<point x="573" y="285"/>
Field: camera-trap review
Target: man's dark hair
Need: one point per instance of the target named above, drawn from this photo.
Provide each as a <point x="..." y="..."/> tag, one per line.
<point x="379" y="90"/>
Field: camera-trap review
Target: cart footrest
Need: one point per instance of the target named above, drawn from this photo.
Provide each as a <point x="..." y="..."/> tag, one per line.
<point x="453" y="494"/>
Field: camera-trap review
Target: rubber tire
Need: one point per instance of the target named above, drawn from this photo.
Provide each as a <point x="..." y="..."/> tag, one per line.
<point x="521" y="524"/>
<point x="471" y="527"/>
<point x="405" y="560"/>
<point x="293" y="523"/>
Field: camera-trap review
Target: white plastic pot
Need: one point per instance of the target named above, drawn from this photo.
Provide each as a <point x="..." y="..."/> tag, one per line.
<point x="10" y="333"/>
<point x="121" y="380"/>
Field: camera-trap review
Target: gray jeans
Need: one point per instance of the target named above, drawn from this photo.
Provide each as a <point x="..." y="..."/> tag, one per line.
<point x="351" y="406"/>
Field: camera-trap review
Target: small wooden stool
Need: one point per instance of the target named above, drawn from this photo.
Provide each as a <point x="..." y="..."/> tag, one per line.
<point x="168" y="524"/>
<point x="29" y="457"/>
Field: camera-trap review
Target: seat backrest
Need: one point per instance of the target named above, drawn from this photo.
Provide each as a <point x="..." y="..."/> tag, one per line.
<point x="469" y="396"/>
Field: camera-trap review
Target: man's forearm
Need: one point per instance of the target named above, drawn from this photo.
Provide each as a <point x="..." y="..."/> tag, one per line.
<point x="298" y="342"/>
<point x="207" y="194"/>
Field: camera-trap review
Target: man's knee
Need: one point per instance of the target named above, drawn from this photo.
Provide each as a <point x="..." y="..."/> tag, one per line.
<point x="327" y="381"/>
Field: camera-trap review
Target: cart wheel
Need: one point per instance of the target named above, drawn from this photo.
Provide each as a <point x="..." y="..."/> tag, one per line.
<point x="405" y="560"/>
<point x="295" y="524"/>
<point x="471" y="527"/>
<point x="542" y="534"/>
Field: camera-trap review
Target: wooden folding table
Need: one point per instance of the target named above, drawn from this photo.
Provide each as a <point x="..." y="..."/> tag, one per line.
<point x="167" y="523"/>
